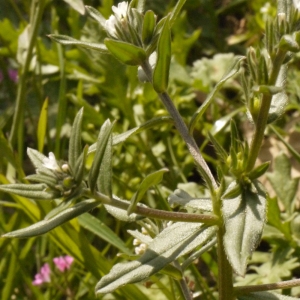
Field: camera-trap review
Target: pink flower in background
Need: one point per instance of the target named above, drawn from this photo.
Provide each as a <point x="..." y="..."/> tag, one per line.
<point x="13" y="75"/>
<point x="43" y="275"/>
<point x="63" y="262"/>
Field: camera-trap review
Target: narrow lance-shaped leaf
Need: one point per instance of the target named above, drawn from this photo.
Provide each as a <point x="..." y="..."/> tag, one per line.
<point x="161" y="70"/>
<point x="126" y="53"/>
<point x="176" y="11"/>
<point x="103" y="139"/>
<point x="96" y="15"/>
<point x="49" y="224"/>
<point x="33" y="191"/>
<point x="244" y="218"/>
<point x="234" y="68"/>
<point x="42" y="125"/>
<point x="66" y="40"/>
<point x="152" y="179"/>
<point x="75" y="147"/>
<point x="173" y="242"/>
<point x="104" y="181"/>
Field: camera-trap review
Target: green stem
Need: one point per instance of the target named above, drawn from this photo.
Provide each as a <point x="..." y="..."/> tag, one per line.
<point x="184" y="132"/>
<point x="154" y="213"/>
<point x="225" y="281"/>
<point x="263" y="114"/>
<point x="241" y="290"/>
<point x="18" y="123"/>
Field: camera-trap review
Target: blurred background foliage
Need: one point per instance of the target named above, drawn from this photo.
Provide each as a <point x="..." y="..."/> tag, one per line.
<point x="61" y="80"/>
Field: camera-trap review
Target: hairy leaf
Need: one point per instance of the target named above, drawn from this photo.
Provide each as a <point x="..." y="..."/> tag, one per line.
<point x="126" y="53"/>
<point x="162" y="67"/>
<point x="66" y="40"/>
<point x="75" y="147"/>
<point x="244" y="218"/>
<point x="96" y="15"/>
<point x="176" y="240"/>
<point x="47" y="225"/>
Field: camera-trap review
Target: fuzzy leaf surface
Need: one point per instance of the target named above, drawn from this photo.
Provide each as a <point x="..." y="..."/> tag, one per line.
<point x="47" y="225"/>
<point x="126" y="53"/>
<point x="244" y="218"/>
<point x="67" y="40"/>
<point x="176" y="240"/>
<point x="75" y="140"/>
<point x="284" y="186"/>
<point x="162" y="67"/>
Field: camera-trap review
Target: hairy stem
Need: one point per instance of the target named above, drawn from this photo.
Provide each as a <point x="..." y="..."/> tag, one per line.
<point x="183" y="130"/>
<point x="240" y="290"/>
<point x="263" y="114"/>
<point x="154" y="213"/>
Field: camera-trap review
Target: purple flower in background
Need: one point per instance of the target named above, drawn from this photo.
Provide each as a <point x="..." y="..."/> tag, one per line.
<point x="63" y="262"/>
<point x="13" y="75"/>
<point x="43" y="275"/>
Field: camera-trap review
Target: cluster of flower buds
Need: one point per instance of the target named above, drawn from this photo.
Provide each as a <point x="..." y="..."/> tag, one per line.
<point x="140" y="247"/>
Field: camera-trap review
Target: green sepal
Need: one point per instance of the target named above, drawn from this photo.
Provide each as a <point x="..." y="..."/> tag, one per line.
<point x="126" y="53"/>
<point x="234" y="190"/>
<point x="148" y="27"/>
<point x="96" y="15"/>
<point x="66" y="40"/>
<point x="75" y="147"/>
<point x="150" y="180"/>
<point x="259" y="171"/>
<point x="103" y="139"/>
<point x="49" y="224"/>
<point x="244" y="218"/>
<point x="80" y="166"/>
<point x="34" y="191"/>
<point x="138" y="4"/>
<point x="161" y="70"/>
<point x="40" y="178"/>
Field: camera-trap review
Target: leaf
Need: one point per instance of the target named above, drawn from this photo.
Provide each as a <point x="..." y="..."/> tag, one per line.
<point x="176" y="11"/>
<point x="103" y="139"/>
<point x="67" y="40"/>
<point x="244" y="218"/>
<point x="148" y="26"/>
<point x="36" y="158"/>
<point x="104" y="181"/>
<point x="33" y="191"/>
<point x="259" y="171"/>
<point x="47" y="225"/>
<point x="161" y="69"/>
<point x="150" y="180"/>
<point x="42" y="125"/>
<point x="265" y="296"/>
<point x="117" y="139"/>
<point x="77" y="5"/>
<point x="174" y="241"/>
<point x="284" y="186"/>
<point x="234" y="68"/>
<point x="96" y="15"/>
<point x="183" y="199"/>
<point x="126" y="53"/>
<point x="75" y="147"/>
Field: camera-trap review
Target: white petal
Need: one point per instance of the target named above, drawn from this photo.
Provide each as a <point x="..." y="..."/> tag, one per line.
<point x="120" y="11"/>
<point x="50" y="162"/>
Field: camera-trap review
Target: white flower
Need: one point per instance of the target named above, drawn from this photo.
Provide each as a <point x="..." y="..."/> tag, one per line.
<point x="297" y="4"/>
<point x="50" y="163"/>
<point x="120" y="11"/>
<point x="120" y="14"/>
